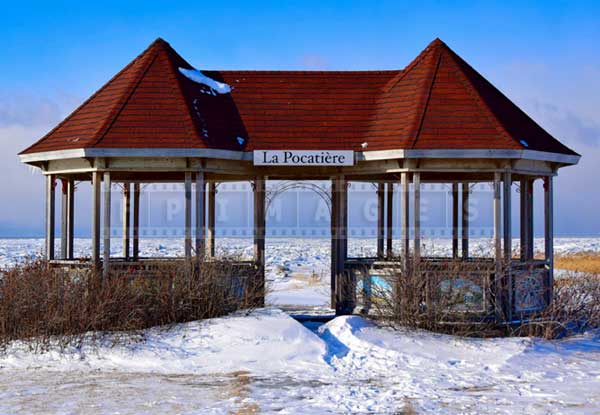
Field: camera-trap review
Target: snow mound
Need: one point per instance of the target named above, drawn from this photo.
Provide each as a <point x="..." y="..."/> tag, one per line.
<point x="264" y="341"/>
<point x="198" y="77"/>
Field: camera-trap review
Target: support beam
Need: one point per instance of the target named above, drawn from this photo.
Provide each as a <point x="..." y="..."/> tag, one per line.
<point x="212" y="195"/>
<point x="390" y="220"/>
<point x="106" y="229"/>
<point x="335" y="223"/>
<point x="188" y="215"/>
<point x="136" y="221"/>
<point x="344" y="285"/>
<point x="404" y="222"/>
<point x="380" y="220"/>
<point x="50" y="215"/>
<point x="417" y="217"/>
<point x="526" y="219"/>
<point x="200" y="216"/>
<point x="96" y="181"/>
<point x="126" y="218"/>
<point x="259" y="222"/>
<point x="465" y="220"/>
<point x="70" y="218"/>
<point x="455" y="220"/>
<point x="507" y="219"/>
<point x="64" y="221"/>
<point x="498" y="279"/>
<point x="549" y="233"/>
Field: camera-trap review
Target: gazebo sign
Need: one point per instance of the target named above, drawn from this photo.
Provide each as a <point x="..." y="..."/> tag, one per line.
<point x="303" y="157"/>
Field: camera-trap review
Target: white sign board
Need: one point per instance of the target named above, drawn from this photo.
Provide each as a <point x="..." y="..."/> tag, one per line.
<point x="303" y="157"/>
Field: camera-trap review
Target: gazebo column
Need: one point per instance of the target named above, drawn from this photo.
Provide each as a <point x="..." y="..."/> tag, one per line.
<point x="465" y="220"/>
<point x="64" y="219"/>
<point x="334" y="238"/>
<point x="50" y="215"/>
<point x="380" y="220"/>
<point x="96" y="181"/>
<point x="390" y="220"/>
<point x="417" y="217"/>
<point x="126" y="219"/>
<point x="106" y="229"/>
<point x="200" y="216"/>
<point x="136" y="222"/>
<point x="188" y="215"/>
<point x="455" y="220"/>
<point x="260" y="228"/>
<point x="498" y="280"/>
<point x="507" y="232"/>
<point x="70" y="218"/>
<point x="342" y="286"/>
<point x="404" y="221"/>
<point x="212" y="193"/>
<point x="526" y="219"/>
<point x="549" y="234"/>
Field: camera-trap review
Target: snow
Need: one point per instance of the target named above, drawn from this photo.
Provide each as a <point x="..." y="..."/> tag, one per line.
<point x="267" y="362"/>
<point x="198" y="77"/>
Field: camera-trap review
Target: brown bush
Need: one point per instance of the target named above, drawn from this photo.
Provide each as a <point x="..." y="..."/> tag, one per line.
<point x="431" y="296"/>
<point x="46" y="304"/>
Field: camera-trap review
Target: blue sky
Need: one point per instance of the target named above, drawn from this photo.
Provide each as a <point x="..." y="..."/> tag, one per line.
<point x="543" y="55"/>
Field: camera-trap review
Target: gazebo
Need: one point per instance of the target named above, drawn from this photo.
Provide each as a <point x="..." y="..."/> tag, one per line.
<point x="437" y="120"/>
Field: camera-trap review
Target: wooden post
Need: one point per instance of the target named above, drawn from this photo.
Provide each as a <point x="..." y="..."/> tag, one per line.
<point x="200" y="215"/>
<point x="345" y="289"/>
<point x="465" y="220"/>
<point x="380" y="220"/>
<point x="106" y="229"/>
<point x="334" y="238"/>
<point x="50" y="215"/>
<point x="390" y="220"/>
<point x="507" y="231"/>
<point x="212" y="193"/>
<point x="404" y="203"/>
<point x="64" y="221"/>
<point x="417" y="217"/>
<point x="259" y="222"/>
<point x="136" y="221"/>
<point x="507" y="218"/>
<point x="455" y="220"/>
<point x="96" y="181"/>
<point x="549" y="233"/>
<point x="260" y="230"/>
<point x="188" y="215"/>
<point x="70" y="218"/>
<point x="526" y="219"/>
<point x="126" y="218"/>
<point x="498" y="280"/>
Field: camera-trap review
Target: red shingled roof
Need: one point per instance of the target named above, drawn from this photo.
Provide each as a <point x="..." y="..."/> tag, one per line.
<point x="436" y="102"/>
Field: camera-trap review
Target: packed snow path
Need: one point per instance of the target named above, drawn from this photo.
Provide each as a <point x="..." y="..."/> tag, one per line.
<point x="266" y="362"/>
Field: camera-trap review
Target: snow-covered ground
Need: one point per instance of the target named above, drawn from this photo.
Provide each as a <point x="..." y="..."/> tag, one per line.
<point x="267" y="362"/>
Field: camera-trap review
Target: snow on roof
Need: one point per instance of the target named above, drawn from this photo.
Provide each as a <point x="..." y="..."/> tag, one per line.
<point x="197" y="76"/>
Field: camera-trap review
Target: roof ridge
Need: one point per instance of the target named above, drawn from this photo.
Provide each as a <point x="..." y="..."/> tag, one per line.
<point x="118" y="107"/>
<point x="427" y="100"/>
<point x="94" y="95"/>
<point x="473" y="90"/>
<point x="394" y="81"/>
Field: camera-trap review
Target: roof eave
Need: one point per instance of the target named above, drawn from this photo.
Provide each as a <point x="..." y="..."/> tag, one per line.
<point x="374" y="155"/>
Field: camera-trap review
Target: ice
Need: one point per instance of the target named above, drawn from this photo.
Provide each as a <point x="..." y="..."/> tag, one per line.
<point x="198" y="77"/>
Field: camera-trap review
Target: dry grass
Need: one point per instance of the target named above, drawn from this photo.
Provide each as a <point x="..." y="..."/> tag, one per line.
<point x="587" y="262"/>
<point x="52" y="306"/>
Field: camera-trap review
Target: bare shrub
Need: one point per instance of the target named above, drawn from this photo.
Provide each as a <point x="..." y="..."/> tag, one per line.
<point x="458" y="297"/>
<point x="575" y="307"/>
<point x="46" y="304"/>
